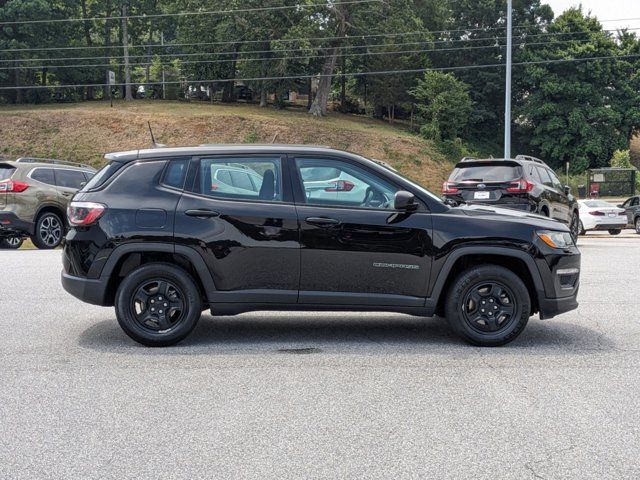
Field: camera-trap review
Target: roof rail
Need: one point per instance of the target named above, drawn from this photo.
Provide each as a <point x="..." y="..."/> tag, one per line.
<point x="529" y="158"/>
<point x="468" y="159"/>
<point x="52" y="161"/>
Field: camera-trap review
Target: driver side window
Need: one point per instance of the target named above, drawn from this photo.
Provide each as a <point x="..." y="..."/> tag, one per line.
<point x="330" y="182"/>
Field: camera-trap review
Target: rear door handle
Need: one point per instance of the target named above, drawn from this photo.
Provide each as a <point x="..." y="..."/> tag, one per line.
<point x="202" y="213"/>
<point x="323" y="221"/>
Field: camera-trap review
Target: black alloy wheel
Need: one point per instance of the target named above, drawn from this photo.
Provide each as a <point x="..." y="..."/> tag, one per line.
<point x="158" y="304"/>
<point x="574" y="227"/>
<point x="488" y="305"/>
<point x="11" y="243"/>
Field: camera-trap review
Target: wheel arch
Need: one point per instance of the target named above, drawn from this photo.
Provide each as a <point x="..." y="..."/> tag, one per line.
<point x="126" y="258"/>
<point x="520" y="263"/>
<point x="46" y="208"/>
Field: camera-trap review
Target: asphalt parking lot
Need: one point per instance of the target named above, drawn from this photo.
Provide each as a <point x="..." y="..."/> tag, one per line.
<point x="290" y="395"/>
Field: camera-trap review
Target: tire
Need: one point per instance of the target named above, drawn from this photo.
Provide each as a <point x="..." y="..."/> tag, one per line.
<point x="503" y="291"/>
<point x="574" y="226"/>
<point x="11" y="243"/>
<point x="582" y="230"/>
<point x="49" y="231"/>
<point x="158" y="286"/>
<point x="614" y="232"/>
<point x="637" y="225"/>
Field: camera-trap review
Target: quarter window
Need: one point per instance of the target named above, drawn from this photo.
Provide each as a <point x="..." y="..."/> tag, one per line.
<point x="337" y="183"/>
<point x="545" y="177"/>
<point x="44" y="175"/>
<point x="175" y="173"/>
<point x="250" y="178"/>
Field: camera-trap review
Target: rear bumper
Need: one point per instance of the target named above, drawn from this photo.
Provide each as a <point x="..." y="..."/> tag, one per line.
<point x="93" y="291"/>
<point x="11" y="225"/>
<point x="608" y="226"/>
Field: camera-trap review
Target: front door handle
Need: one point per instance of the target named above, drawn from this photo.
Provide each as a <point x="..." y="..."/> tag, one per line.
<point x="202" y="213"/>
<point x="323" y="221"/>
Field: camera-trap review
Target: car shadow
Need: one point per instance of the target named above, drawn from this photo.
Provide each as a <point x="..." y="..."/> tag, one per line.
<point x="262" y="332"/>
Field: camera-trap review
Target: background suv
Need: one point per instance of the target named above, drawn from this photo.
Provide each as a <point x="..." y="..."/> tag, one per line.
<point x="34" y="194"/>
<point x="155" y="235"/>
<point x="524" y="183"/>
<point x="632" y="211"/>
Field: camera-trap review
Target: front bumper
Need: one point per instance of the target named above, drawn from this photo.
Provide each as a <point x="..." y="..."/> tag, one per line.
<point x="11" y="225"/>
<point x="550" y="307"/>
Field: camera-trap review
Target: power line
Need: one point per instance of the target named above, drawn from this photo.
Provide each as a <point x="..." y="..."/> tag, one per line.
<point x="347" y="74"/>
<point x="297" y="57"/>
<point x="233" y="52"/>
<point x="184" y="14"/>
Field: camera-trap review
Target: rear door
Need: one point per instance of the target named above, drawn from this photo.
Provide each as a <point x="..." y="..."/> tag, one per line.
<point x="562" y="204"/>
<point x="68" y="182"/>
<point x="355" y="248"/>
<point x="247" y="236"/>
<point x="631" y="207"/>
<point x="551" y="195"/>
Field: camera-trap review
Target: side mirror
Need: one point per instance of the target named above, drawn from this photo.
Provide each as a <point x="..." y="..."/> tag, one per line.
<point x="404" y="201"/>
<point x="83" y="184"/>
<point x="567" y="190"/>
<point x="619" y="206"/>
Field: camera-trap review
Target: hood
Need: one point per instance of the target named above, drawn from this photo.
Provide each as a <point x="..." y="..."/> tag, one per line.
<point x="511" y="215"/>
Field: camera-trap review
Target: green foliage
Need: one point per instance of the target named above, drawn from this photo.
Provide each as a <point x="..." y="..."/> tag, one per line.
<point x="443" y="104"/>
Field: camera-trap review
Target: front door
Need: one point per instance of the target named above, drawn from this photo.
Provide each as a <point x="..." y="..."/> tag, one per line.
<point x="355" y="249"/>
<point x="630" y="207"/>
<point x="238" y="212"/>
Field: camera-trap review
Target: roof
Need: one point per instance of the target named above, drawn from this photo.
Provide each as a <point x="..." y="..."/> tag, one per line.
<point x="219" y="148"/>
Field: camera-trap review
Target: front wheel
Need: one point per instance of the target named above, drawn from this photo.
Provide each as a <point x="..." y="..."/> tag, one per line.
<point x="637" y="225"/>
<point x="49" y="231"/>
<point x="488" y="305"/>
<point x="582" y="230"/>
<point x="11" y="243"/>
<point x="614" y="232"/>
<point x="158" y="304"/>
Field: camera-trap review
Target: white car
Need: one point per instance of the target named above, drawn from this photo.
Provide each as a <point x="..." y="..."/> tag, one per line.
<point x="601" y="215"/>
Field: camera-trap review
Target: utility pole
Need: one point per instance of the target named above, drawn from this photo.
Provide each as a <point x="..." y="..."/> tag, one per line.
<point x="164" y="96"/>
<point x="507" y="98"/>
<point x="127" y="69"/>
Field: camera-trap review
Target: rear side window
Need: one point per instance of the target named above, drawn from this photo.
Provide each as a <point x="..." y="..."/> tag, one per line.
<point x="544" y="176"/>
<point x="44" y="175"/>
<point x="248" y="178"/>
<point x="69" y="178"/>
<point x="102" y="176"/>
<point x="175" y="173"/>
<point x="486" y="173"/>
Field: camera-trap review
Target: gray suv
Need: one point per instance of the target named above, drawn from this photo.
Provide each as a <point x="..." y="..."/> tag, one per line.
<point x="34" y="194"/>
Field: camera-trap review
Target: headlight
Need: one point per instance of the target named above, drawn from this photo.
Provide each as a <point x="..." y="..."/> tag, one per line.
<point x="556" y="239"/>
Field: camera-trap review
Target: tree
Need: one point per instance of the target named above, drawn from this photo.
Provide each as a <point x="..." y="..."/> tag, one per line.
<point x="444" y="105"/>
<point x="578" y="112"/>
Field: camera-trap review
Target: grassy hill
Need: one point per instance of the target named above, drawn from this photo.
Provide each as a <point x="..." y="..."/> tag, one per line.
<point x="84" y="132"/>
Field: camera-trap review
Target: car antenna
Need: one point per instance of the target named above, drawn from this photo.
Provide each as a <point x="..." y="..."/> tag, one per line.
<point x="153" y="140"/>
<point x="273" y="140"/>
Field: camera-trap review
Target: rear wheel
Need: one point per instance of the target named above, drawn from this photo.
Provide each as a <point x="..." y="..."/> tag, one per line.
<point x="574" y="226"/>
<point x="582" y="230"/>
<point x="488" y="305"/>
<point x="158" y="304"/>
<point x="614" y="232"/>
<point x="11" y="243"/>
<point x="49" y="231"/>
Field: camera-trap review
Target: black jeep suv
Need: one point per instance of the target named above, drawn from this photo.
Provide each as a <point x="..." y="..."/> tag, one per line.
<point x="524" y="183"/>
<point x="163" y="234"/>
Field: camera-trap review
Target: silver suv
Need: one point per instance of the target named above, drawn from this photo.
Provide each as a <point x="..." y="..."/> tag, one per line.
<point x="34" y="194"/>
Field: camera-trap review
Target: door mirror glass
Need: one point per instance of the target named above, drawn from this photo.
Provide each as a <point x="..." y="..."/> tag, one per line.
<point x="567" y="189"/>
<point x="404" y="201"/>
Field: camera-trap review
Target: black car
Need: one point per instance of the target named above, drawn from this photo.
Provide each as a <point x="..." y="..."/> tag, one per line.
<point x="632" y="210"/>
<point x="158" y="236"/>
<point x="524" y="183"/>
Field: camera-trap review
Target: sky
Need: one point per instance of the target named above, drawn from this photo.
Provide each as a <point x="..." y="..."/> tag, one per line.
<point x="604" y="10"/>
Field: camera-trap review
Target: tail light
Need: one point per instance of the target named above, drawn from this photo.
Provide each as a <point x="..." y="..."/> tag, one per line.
<point x="520" y="186"/>
<point x="83" y="214"/>
<point x="341" y="186"/>
<point x="13" y="186"/>
<point x="449" y="187"/>
<point x="623" y="213"/>
<point x="597" y="213"/>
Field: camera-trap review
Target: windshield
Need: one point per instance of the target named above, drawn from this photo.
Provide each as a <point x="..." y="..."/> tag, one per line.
<point x="486" y="173"/>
